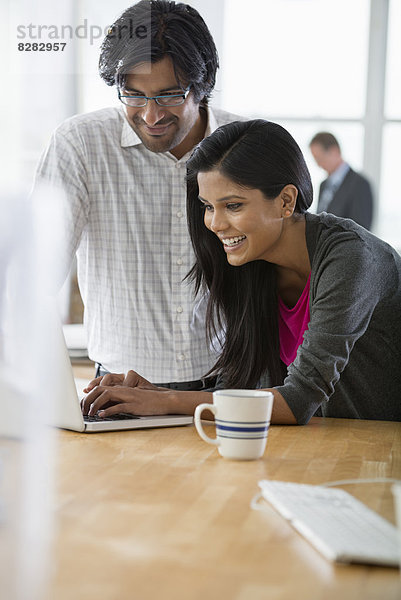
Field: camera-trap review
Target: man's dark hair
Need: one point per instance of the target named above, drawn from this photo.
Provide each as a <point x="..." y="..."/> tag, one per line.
<point x="242" y="300"/>
<point x="152" y="29"/>
<point x="325" y="139"/>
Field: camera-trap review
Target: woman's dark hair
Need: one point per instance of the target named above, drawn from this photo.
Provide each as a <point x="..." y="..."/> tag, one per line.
<point x="152" y="29"/>
<point x="242" y="300"/>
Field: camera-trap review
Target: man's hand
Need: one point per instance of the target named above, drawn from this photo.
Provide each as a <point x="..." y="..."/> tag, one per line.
<point x="109" y="379"/>
<point x="131" y="379"/>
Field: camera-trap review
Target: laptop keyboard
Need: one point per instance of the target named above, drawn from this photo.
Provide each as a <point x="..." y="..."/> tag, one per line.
<point x="117" y="417"/>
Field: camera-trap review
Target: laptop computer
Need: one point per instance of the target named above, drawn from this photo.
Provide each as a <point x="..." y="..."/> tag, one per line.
<point x="67" y="412"/>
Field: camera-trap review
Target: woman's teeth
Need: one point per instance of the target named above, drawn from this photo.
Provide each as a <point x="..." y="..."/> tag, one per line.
<point x="234" y="240"/>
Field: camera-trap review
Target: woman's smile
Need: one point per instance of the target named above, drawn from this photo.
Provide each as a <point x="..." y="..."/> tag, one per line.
<point x="231" y="244"/>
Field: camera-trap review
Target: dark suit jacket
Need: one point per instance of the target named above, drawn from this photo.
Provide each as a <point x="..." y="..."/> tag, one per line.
<point x="352" y="200"/>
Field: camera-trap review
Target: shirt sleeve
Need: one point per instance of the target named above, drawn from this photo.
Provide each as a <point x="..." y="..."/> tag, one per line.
<point x="346" y="290"/>
<point x="62" y="169"/>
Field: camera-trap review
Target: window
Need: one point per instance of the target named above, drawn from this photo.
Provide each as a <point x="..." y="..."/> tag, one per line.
<point x="389" y="215"/>
<point x="299" y="58"/>
<point x="305" y="64"/>
<point x="393" y="83"/>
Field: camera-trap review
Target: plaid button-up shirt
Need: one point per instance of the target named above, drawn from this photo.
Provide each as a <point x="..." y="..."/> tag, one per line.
<point x="127" y="208"/>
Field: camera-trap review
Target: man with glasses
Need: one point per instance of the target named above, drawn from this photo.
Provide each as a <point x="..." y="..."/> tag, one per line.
<point x="123" y="173"/>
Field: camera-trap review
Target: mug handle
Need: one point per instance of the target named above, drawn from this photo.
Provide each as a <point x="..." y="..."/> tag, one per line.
<point x="197" y="419"/>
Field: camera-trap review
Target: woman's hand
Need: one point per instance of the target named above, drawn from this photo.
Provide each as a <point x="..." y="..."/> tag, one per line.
<point x="116" y="393"/>
<point x="106" y="401"/>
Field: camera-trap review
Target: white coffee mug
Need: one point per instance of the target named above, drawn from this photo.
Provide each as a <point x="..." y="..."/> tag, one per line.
<point x="242" y="419"/>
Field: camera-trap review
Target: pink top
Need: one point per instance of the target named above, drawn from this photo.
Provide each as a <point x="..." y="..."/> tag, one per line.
<point x="292" y="324"/>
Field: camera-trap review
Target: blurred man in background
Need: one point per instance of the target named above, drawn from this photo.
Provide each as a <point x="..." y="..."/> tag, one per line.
<point x="344" y="193"/>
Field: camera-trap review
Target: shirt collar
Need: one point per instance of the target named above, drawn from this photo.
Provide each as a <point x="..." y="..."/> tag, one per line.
<point x="212" y="124"/>
<point x="128" y="135"/>
<point x="337" y="177"/>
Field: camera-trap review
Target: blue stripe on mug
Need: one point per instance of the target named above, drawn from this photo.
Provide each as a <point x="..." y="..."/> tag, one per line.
<point x="244" y="429"/>
<point x="243" y="437"/>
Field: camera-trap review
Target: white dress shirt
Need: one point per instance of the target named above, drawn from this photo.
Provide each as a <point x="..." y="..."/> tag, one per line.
<point x="127" y="223"/>
<point x="332" y="183"/>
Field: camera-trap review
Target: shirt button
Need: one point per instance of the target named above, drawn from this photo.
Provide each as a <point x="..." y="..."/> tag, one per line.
<point x="181" y="356"/>
<point x="179" y="261"/>
<point x="180" y="214"/>
<point x="179" y="309"/>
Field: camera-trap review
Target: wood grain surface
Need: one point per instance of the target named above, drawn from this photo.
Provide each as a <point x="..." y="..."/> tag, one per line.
<point x="157" y="513"/>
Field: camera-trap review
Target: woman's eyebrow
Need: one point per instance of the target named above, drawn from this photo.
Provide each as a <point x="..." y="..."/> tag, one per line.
<point x="224" y="198"/>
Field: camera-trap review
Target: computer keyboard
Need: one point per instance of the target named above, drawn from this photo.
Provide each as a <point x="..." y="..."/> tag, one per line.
<point x="335" y="523"/>
<point x="116" y="417"/>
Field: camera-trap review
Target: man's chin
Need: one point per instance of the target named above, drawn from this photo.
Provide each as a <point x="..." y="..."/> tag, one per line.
<point x="157" y="143"/>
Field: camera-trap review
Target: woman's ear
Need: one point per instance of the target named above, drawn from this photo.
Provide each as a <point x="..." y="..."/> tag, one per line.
<point x="289" y="195"/>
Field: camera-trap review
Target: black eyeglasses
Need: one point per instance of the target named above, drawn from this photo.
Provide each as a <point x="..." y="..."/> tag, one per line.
<point x="137" y="101"/>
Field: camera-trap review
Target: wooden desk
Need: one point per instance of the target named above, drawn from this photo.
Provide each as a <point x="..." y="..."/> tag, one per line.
<point x="158" y="514"/>
<point x="84" y="369"/>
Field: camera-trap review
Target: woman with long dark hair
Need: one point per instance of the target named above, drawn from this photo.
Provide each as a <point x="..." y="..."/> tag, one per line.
<point x="308" y="306"/>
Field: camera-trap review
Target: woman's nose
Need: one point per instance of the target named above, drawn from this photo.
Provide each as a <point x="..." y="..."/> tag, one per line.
<point x="218" y="222"/>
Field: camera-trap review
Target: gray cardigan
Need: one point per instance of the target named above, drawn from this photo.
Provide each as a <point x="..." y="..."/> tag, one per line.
<point x="349" y="363"/>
